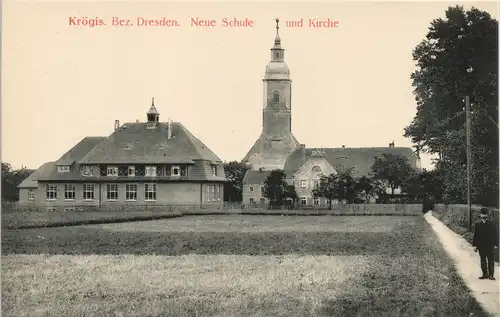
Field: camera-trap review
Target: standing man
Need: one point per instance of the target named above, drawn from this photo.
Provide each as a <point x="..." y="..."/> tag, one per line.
<point x="486" y="242"/>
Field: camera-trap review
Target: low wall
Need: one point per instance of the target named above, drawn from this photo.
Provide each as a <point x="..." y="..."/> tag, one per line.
<point x="456" y="218"/>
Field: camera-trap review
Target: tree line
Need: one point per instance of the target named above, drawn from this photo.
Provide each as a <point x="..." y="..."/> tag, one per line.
<point x="11" y="178"/>
<point x="388" y="171"/>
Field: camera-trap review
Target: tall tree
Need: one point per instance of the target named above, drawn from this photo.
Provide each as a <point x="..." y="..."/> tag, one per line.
<point x="424" y="183"/>
<point x="11" y="178"/>
<point x="365" y="188"/>
<point x="392" y="169"/>
<point x="327" y="188"/>
<point x="458" y="58"/>
<point x="235" y="172"/>
<point x="291" y="193"/>
<point x="275" y="187"/>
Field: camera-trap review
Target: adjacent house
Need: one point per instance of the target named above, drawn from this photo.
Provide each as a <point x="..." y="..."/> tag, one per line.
<point x="140" y="163"/>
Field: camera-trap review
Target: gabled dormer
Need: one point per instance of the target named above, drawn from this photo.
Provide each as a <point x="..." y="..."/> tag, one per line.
<point x="63" y="168"/>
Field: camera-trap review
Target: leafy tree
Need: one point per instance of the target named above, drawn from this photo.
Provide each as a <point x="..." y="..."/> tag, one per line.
<point x="235" y="172"/>
<point x="365" y="188"/>
<point x="459" y="57"/>
<point x="275" y="187"/>
<point x="341" y="186"/>
<point x="11" y="178"/>
<point x="291" y="193"/>
<point x="424" y="183"/>
<point x="391" y="169"/>
<point x="346" y="187"/>
<point x="326" y="188"/>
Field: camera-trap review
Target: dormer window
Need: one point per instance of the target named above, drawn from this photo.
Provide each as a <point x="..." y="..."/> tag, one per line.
<point x="150" y="170"/>
<point x="87" y="171"/>
<point x="63" y="168"/>
<point x="131" y="171"/>
<point x="214" y="170"/>
<point x="176" y="171"/>
<point x="112" y="171"/>
<point x="276" y="96"/>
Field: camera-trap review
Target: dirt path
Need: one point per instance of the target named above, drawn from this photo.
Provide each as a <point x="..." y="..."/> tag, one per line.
<point x="486" y="292"/>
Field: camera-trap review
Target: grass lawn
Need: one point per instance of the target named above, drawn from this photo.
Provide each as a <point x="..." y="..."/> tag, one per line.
<point x="233" y="266"/>
<point x="38" y="219"/>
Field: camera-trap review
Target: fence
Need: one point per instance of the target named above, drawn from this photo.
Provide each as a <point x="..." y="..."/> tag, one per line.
<point x="228" y="207"/>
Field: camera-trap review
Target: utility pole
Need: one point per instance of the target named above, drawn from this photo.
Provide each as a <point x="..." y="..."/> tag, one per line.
<point x="469" y="159"/>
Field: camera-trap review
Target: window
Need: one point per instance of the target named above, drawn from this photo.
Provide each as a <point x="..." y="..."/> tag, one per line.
<point x="303" y="183"/>
<point x="276" y="96"/>
<point x="150" y="170"/>
<point x="87" y="171"/>
<point x="112" y="191"/>
<point x="184" y="171"/>
<point x="131" y="192"/>
<point x="31" y="194"/>
<point x="316" y="169"/>
<point x="277" y="55"/>
<point x="150" y="192"/>
<point x="214" y="170"/>
<point x="88" y="191"/>
<point x="176" y="171"/>
<point x="251" y="200"/>
<point x="208" y="192"/>
<point x="303" y="201"/>
<point x="218" y="193"/>
<point x="69" y="192"/>
<point x="316" y="201"/>
<point x="131" y="171"/>
<point x="63" y="168"/>
<point x="112" y="171"/>
<point x="251" y="188"/>
<point x="213" y="192"/>
<point x="316" y="182"/>
<point x="51" y="192"/>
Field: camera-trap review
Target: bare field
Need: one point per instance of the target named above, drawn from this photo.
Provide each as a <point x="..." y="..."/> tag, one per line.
<point x="262" y="266"/>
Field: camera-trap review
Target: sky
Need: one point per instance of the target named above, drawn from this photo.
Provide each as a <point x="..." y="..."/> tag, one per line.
<point x="351" y="84"/>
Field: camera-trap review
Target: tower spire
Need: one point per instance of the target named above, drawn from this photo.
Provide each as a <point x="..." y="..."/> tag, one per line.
<point x="277" y="39"/>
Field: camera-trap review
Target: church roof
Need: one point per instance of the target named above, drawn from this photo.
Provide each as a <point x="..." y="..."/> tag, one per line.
<point x="360" y="159"/>
<point x="136" y="143"/>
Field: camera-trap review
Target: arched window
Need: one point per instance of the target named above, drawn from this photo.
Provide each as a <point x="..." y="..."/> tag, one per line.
<point x="277" y="55"/>
<point x="276" y="96"/>
<point x="316" y="169"/>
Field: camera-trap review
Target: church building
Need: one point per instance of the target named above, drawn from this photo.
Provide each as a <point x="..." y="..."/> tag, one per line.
<point x="277" y="147"/>
<point x="140" y="163"/>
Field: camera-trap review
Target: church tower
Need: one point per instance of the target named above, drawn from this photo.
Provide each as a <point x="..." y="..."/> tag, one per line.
<point x="276" y="141"/>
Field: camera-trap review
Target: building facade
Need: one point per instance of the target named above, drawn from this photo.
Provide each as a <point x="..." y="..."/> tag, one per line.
<point x="277" y="147"/>
<point x="141" y="163"/>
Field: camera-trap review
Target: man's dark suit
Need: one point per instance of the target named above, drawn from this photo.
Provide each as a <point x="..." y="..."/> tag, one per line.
<point x="485" y="238"/>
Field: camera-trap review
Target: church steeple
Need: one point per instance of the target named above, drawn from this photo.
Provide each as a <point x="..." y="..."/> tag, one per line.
<point x="277" y="51"/>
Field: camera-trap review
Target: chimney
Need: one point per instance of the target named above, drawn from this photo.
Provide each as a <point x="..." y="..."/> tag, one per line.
<point x="343" y="146"/>
<point x="169" y="129"/>
<point x="303" y="151"/>
<point x="391" y="145"/>
<point x="136" y="120"/>
<point x="117" y="124"/>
